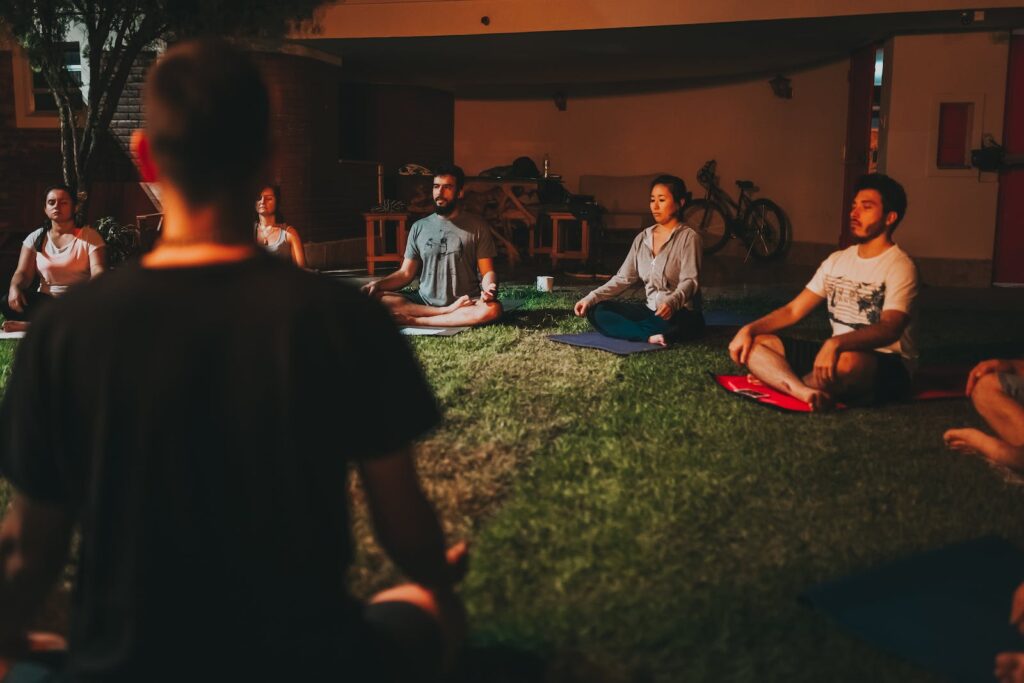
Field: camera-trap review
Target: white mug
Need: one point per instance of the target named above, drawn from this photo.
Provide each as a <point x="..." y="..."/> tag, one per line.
<point x="545" y="283"/>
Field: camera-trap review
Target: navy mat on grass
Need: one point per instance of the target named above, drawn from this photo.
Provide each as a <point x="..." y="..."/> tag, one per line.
<point x="946" y="610"/>
<point x="596" y="340"/>
<point x="727" y="318"/>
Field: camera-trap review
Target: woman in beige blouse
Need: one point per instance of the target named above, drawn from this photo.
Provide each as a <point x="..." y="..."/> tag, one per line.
<point x="665" y="258"/>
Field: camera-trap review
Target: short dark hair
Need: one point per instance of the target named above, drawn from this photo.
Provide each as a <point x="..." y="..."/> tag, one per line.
<point x="894" y="197"/>
<point x="208" y="123"/>
<point x="276" y="189"/>
<point x="63" y="188"/>
<point x="675" y="186"/>
<point x="454" y="171"/>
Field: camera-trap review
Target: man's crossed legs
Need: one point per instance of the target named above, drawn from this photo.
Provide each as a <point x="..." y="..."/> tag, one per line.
<point x="463" y="312"/>
<point x="789" y="366"/>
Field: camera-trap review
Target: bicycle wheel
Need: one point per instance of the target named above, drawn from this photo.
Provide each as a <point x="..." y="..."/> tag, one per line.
<point x="708" y="220"/>
<point x="766" y="230"/>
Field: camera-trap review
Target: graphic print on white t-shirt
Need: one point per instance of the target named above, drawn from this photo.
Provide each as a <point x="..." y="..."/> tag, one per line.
<point x="854" y="304"/>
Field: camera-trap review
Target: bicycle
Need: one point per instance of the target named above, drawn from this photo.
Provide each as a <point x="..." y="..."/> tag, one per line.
<point x="760" y="223"/>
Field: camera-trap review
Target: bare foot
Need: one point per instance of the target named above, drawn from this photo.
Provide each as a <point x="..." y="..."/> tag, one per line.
<point x="658" y="339"/>
<point x="754" y="380"/>
<point x="977" y="442"/>
<point x="457" y="304"/>
<point x="819" y="401"/>
<point x="15" y="326"/>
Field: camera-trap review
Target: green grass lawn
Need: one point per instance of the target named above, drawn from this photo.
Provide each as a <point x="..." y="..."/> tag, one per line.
<point x="630" y="521"/>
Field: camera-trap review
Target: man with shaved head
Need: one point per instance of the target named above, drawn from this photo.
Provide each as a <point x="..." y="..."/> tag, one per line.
<point x="195" y="415"/>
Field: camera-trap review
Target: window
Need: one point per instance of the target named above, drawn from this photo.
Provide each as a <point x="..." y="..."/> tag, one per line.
<point x="42" y="98"/>
<point x="955" y="127"/>
<point x="34" y="106"/>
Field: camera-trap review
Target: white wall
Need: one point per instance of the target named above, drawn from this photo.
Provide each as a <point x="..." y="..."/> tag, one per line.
<point x="952" y="214"/>
<point x="791" y="148"/>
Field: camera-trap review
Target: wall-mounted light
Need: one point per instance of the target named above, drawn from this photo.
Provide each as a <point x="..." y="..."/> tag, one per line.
<point x="560" y="100"/>
<point x="782" y="87"/>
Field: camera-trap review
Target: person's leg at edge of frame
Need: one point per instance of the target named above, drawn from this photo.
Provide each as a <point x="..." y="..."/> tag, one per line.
<point x="993" y="397"/>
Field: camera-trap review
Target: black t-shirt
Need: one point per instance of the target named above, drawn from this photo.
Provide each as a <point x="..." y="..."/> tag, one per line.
<point x="199" y="423"/>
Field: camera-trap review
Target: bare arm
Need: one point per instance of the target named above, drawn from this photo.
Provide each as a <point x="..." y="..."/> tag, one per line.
<point x="790" y="314"/>
<point x="298" y="253"/>
<point x="1012" y="367"/>
<point x="22" y="279"/>
<point x="405" y="522"/>
<point x="97" y="261"/>
<point x="396" y="280"/>
<point x="886" y="331"/>
<point x="34" y="539"/>
<point x="488" y="279"/>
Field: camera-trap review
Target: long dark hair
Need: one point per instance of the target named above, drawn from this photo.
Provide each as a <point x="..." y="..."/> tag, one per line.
<point x="276" y="189"/>
<point x="676" y="187"/>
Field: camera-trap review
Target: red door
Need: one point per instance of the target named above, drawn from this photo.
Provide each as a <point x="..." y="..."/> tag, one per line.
<point x="858" y="130"/>
<point x="1008" y="260"/>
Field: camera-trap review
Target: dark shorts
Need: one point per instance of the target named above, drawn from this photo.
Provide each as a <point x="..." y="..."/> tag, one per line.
<point x="892" y="381"/>
<point x="414" y="298"/>
<point x="1013" y="386"/>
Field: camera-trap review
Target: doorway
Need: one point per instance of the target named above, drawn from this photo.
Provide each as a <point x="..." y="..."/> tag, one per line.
<point x="863" y="124"/>
<point x="1008" y="259"/>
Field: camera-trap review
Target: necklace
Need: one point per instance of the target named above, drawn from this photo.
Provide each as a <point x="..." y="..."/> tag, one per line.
<point x="264" y="233"/>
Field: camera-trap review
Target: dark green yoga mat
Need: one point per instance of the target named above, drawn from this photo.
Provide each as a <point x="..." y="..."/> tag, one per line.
<point x="947" y="610"/>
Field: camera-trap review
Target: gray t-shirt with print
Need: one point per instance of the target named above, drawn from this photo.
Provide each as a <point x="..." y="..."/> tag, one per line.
<point x="448" y="250"/>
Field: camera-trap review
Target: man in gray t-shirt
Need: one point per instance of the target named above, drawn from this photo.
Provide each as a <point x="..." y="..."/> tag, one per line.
<point x="455" y="250"/>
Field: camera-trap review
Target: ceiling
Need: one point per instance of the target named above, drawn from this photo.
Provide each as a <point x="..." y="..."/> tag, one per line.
<point x="631" y="59"/>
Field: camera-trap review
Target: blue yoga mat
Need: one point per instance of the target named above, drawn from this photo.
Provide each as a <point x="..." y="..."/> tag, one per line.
<point x="596" y="340"/>
<point x="727" y="318"/>
<point x="946" y="610"/>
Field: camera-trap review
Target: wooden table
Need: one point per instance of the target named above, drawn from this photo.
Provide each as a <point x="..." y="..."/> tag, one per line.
<point x="557" y="252"/>
<point x="376" y="229"/>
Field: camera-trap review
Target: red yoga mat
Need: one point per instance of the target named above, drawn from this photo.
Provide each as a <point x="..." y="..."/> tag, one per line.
<point x="929" y="384"/>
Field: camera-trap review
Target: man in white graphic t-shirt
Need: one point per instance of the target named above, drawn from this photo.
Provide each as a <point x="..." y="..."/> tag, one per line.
<point x="869" y="289"/>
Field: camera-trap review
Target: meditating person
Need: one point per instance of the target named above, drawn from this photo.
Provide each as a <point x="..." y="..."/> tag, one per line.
<point x="666" y="259"/>
<point x="272" y="233"/>
<point x="869" y="288"/>
<point x="60" y="254"/>
<point x="455" y="249"/>
<point x="205" y="462"/>
<point x="996" y="388"/>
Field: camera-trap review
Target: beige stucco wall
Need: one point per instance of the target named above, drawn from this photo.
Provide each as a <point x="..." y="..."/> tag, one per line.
<point x="952" y="213"/>
<point x="791" y="148"/>
<point x="388" y="18"/>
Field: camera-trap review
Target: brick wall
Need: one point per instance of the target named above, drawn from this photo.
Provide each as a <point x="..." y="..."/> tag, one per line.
<point x="29" y="161"/>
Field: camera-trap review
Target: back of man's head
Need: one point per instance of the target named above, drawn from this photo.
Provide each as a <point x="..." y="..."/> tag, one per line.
<point x="894" y="197"/>
<point x="208" y="125"/>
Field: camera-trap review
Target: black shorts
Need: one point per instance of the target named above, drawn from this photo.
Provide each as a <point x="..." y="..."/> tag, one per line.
<point x="892" y="381"/>
<point x="414" y="297"/>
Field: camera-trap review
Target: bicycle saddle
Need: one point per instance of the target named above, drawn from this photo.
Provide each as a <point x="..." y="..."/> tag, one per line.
<point x="745" y="184"/>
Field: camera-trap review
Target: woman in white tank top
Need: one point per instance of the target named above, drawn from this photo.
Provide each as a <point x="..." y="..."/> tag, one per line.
<point x="272" y="233"/>
<point x="60" y="253"/>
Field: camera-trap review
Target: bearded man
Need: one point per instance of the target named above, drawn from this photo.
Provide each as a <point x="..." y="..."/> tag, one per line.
<point x="870" y="289"/>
